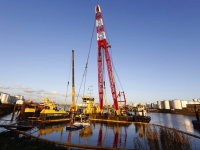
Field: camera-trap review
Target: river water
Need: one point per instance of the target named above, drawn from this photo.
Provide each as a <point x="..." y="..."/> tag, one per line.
<point x="116" y="135"/>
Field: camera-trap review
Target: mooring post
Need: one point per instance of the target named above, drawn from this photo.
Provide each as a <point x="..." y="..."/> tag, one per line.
<point x="13" y="113"/>
<point x="135" y="113"/>
<point x="197" y="114"/>
<point x="21" y="115"/>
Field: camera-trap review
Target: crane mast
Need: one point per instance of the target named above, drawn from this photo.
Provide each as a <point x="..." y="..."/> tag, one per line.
<point x="73" y="106"/>
<point x="103" y="48"/>
<point x="73" y="85"/>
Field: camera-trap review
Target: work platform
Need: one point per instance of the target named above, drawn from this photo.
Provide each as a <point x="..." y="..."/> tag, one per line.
<point x="133" y="118"/>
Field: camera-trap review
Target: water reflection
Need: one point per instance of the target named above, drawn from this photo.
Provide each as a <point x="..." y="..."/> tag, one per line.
<point x="140" y="129"/>
<point x="169" y="120"/>
<point x="180" y="122"/>
<point x="188" y="125"/>
<point x="86" y="132"/>
<point x="45" y="129"/>
<point x="112" y="134"/>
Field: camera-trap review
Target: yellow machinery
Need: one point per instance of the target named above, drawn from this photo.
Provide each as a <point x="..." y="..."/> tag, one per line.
<point x="50" y="107"/>
<point x="29" y="110"/>
<point x="140" y="107"/>
<point x="35" y="112"/>
<point x="140" y="110"/>
<point x="89" y="100"/>
<point x="73" y="106"/>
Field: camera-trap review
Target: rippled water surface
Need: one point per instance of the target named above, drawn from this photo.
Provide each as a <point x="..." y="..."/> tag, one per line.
<point x="116" y="135"/>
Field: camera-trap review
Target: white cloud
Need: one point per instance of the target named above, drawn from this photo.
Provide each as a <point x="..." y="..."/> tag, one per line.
<point x="28" y="90"/>
<point x="17" y="87"/>
<point x="40" y="91"/>
<point x="52" y="93"/>
<point x="35" y="93"/>
<point x="4" y="87"/>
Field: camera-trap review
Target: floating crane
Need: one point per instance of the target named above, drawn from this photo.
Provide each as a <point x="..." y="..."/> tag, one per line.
<point x="103" y="46"/>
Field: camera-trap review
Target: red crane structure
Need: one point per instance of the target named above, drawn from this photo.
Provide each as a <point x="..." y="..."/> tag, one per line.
<point x="103" y="46"/>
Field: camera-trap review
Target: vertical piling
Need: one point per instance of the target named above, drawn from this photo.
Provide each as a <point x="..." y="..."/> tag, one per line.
<point x="21" y="115"/>
<point x="13" y="113"/>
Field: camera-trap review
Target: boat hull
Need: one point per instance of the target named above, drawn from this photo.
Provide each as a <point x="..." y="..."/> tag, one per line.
<point x="196" y="123"/>
<point x="81" y="123"/>
<point x="74" y="127"/>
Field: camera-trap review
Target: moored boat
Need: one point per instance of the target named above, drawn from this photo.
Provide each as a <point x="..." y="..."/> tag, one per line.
<point x="47" y="110"/>
<point x="51" y="112"/>
<point x="81" y="123"/>
<point x="74" y="127"/>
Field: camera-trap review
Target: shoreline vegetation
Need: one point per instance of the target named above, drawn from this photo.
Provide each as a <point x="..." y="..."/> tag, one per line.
<point x="13" y="141"/>
<point x="161" y="138"/>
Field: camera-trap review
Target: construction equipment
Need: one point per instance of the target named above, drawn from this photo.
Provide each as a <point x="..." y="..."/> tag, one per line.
<point x="141" y="110"/>
<point x="103" y="46"/>
<point x="90" y="109"/>
<point x="140" y="107"/>
<point x="73" y="106"/>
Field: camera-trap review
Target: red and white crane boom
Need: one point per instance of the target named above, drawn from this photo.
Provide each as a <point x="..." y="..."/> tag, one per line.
<point x="103" y="49"/>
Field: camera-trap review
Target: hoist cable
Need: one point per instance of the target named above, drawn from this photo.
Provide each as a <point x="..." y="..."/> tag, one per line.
<point x="68" y="81"/>
<point x="86" y="66"/>
<point x="104" y="77"/>
<point x="112" y="61"/>
<point x="117" y="76"/>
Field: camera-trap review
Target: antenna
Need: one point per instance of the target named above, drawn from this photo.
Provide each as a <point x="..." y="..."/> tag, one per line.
<point x="90" y="89"/>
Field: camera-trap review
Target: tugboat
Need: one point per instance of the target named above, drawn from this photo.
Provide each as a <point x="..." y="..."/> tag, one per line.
<point x="47" y="110"/>
<point x="51" y="112"/>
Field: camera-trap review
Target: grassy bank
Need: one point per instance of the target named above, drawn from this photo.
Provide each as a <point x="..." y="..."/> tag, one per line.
<point x="12" y="141"/>
<point x="157" y="138"/>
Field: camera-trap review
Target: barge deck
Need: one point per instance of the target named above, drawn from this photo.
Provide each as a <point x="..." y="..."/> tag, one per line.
<point x="113" y="118"/>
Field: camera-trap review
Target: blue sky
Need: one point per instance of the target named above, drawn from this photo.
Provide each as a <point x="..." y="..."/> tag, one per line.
<point x="155" y="48"/>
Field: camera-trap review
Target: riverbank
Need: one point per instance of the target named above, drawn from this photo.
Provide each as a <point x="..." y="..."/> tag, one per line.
<point x="12" y="141"/>
<point x="181" y="112"/>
